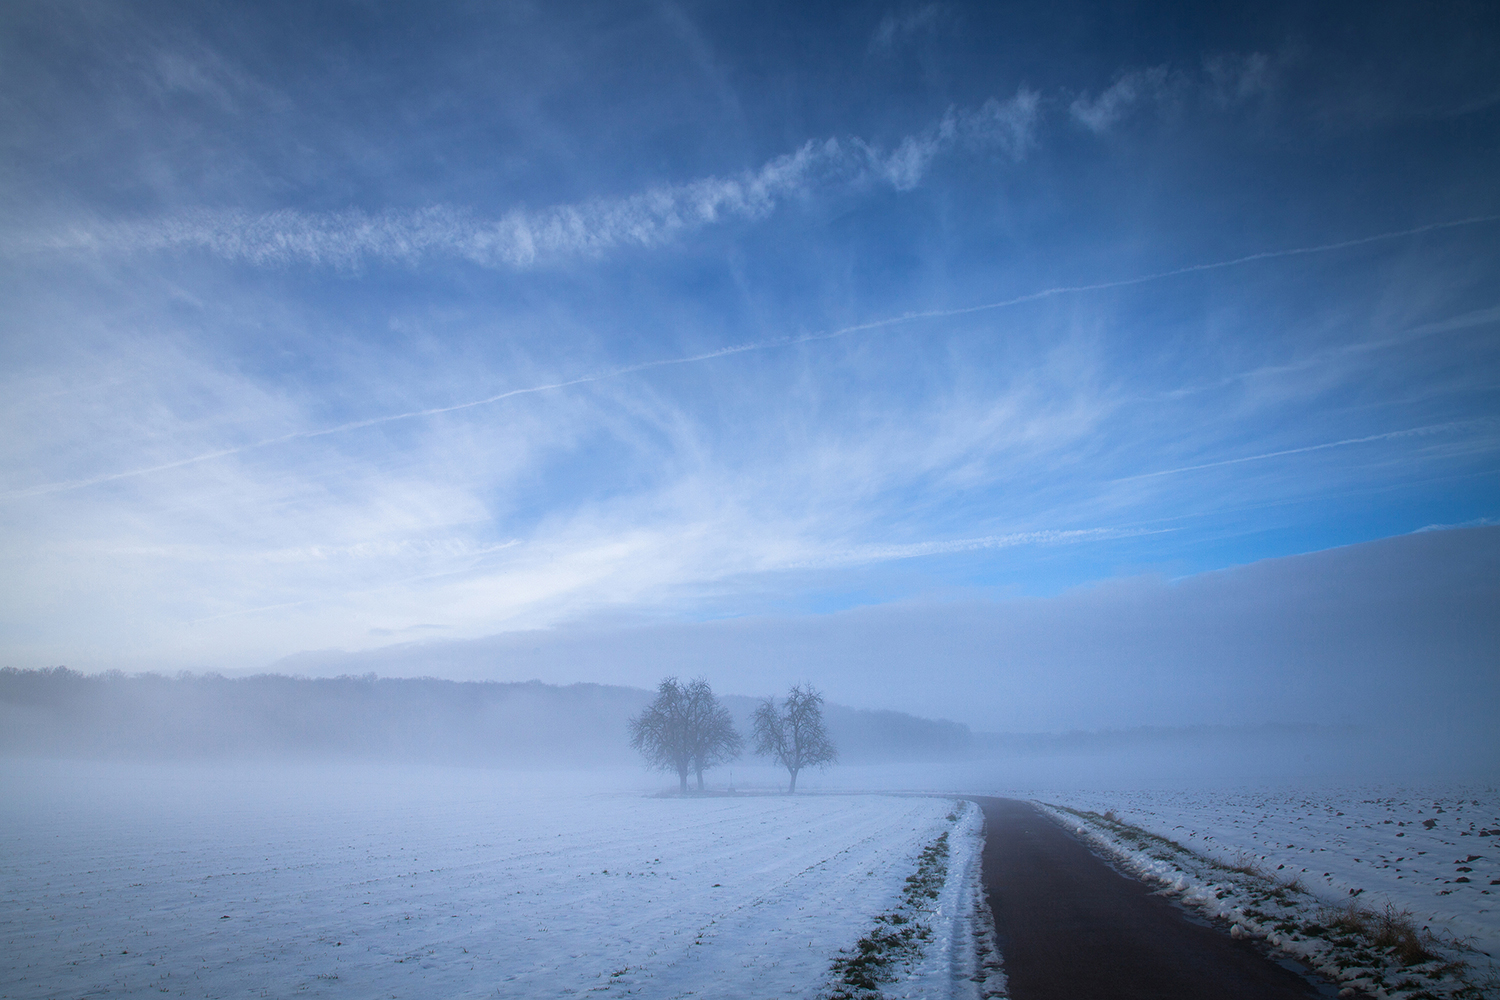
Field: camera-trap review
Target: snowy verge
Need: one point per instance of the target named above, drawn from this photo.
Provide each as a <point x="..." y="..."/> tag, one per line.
<point x="1369" y="952"/>
<point x="1428" y="849"/>
<point x="938" y="941"/>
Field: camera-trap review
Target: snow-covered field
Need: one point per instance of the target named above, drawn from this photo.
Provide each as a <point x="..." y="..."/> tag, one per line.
<point x="1434" y="852"/>
<point x="378" y="881"/>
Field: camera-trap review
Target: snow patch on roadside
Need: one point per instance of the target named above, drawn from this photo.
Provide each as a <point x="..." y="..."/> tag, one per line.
<point x="1434" y="850"/>
<point x="939" y="940"/>
<point x="1354" y="947"/>
<point x="961" y="960"/>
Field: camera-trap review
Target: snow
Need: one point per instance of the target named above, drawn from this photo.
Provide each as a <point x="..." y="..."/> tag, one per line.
<point x="1282" y="865"/>
<point x="1422" y="849"/>
<point x="368" y="881"/>
<point x="961" y="959"/>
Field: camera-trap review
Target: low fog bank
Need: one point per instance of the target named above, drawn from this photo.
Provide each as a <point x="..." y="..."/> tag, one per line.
<point x="60" y="712"/>
<point x="1158" y="757"/>
<point x="1371" y="662"/>
<point x="1039" y="765"/>
<point x="1401" y="633"/>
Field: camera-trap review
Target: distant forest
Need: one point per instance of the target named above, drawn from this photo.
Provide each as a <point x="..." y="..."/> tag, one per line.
<point x="60" y="712"/>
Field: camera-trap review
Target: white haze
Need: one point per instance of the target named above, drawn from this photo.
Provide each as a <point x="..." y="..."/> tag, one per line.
<point x="1399" y="632"/>
<point x="1368" y="663"/>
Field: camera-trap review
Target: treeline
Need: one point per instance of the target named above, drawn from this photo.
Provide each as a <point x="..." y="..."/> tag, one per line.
<point x="60" y="712"/>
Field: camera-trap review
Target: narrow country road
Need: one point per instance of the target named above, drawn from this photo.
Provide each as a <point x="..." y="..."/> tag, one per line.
<point x="1070" y="927"/>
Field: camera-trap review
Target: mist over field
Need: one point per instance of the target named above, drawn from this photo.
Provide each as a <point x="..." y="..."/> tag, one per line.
<point x="273" y="717"/>
<point x="1395" y="633"/>
<point x="1367" y="663"/>
<point x="1269" y="673"/>
<point x="519" y="499"/>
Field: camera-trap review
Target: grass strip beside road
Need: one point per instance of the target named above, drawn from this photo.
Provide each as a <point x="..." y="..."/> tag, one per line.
<point x="899" y="935"/>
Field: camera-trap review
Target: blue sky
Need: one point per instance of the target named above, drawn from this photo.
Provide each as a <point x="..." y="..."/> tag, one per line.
<point x="341" y="325"/>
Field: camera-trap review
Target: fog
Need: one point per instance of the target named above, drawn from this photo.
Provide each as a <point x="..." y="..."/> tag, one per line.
<point x="1372" y="662"/>
<point x="1401" y="630"/>
<point x="264" y="718"/>
<point x="1381" y="656"/>
<point x="1366" y="662"/>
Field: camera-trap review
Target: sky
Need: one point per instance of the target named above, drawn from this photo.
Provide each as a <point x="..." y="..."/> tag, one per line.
<point x="338" y="327"/>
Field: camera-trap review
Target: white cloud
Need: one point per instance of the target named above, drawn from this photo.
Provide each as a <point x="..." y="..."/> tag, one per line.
<point x="1007" y="125"/>
<point x="1099" y="114"/>
<point x="1234" y="78"/>
<point x="862" y="554"/>
<point x="526" y="237"/>
<point x="895" y="29"/>
<point x="1228" y="80"/>
<point x="234" y="561"/>
<point x="518" y="239"/>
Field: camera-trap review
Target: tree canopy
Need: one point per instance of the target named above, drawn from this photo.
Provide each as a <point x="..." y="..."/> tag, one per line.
<point x="685" y="730"/>
<point x="793" y="733"/>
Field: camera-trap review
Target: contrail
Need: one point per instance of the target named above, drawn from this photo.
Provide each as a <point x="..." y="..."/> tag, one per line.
<point x="74" y="484"/>
<point x="763" y="345"/>
<point x="1388" y="436"/>
<point x="1175" y="272"/>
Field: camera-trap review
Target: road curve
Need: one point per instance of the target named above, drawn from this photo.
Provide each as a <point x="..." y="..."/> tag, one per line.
<point x="1070" y="927"/>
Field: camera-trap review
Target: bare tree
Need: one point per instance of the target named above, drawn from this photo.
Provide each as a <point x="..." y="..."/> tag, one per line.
<point x="794" y="734"/>
<point x="715" y="740"/>
<point x="685" y="730"/>
<point x="662" y="733"/>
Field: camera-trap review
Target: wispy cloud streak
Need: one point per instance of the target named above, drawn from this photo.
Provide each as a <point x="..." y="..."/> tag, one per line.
<point x="854" y="556"/>
<point x="1098" y="114"/>
<point x="389" y="418"/>
<point x="917" y="550"/>
<point x="761" y="345"/>
<point x="1189" y="269"/>
<point x="1226" y="80"/>
<point x="1388" y="436"/>
<point x="526" y="237"/>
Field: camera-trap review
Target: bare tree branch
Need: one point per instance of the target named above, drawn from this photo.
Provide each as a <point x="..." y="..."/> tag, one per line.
<point x="794" y="734"/>
<point x="685" y="730"/>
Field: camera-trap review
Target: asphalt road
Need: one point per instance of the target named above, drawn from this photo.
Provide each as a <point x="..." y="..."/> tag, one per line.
<point x="1070" y="927"/>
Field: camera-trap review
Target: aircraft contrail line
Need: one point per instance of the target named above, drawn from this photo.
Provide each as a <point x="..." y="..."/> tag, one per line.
<point x="1387" y="436"/>
<point x="760" y="345"/>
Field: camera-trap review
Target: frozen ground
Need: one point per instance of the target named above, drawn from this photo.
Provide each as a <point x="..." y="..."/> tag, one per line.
<point x="378" y="881"/>
<point x="1288" y="860"/>
<point x="1434" y="851"/>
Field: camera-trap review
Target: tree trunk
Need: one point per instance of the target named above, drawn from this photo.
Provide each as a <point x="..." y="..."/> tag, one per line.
<point x="700" y="781"/>
<point x="792" y="788"/>
<point x="682" y="779"/>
